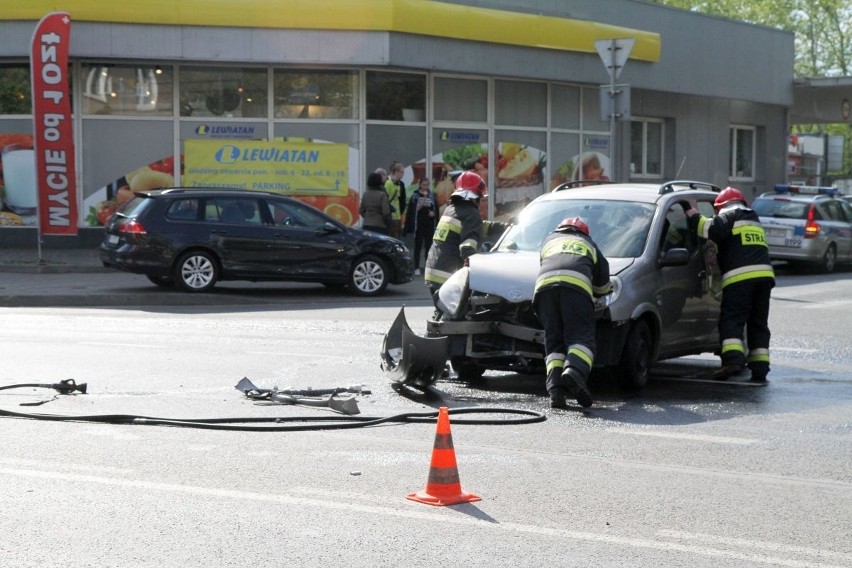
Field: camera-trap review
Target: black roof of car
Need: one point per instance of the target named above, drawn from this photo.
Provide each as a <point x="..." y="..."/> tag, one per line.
<point x="218" y="191"/>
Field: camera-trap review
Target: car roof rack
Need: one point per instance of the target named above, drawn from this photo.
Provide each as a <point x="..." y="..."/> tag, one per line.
<point x="670" y="186"/>
<point x="580" y="183"/>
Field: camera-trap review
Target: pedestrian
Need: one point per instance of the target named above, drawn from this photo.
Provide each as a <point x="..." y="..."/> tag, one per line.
<point x="396" y="195"/>
<point x="572" y="274"/>
<point x="375" y="209"/>
<point x="747" y="282"/>
<point x="422" y="214"/>
<point x="458" y="233"/>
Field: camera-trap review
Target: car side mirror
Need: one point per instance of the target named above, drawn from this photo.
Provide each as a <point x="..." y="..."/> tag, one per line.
<point x="675" y="257"/>
<point x="486" y="246"/>
<point x="329" y="228"/>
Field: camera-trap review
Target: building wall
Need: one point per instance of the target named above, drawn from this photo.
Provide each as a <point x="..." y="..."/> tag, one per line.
<point x="700" y="87"/>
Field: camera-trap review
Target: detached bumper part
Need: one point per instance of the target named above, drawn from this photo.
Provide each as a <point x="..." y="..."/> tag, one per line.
<point x="411" y="359"/>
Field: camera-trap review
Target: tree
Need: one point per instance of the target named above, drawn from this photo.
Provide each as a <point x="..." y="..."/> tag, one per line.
<point x="823" y="44"/>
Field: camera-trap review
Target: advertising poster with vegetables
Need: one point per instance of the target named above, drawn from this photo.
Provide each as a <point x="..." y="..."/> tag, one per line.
<point x="334" y="194"/>
<point x="519" y="174"/>
<point x="587" y="166"/>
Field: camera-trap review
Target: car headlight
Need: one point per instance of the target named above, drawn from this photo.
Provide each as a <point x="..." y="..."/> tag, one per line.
<point x="399" y="248"/>
<point x="606" y="301"/>
<point x="454" y="292"/>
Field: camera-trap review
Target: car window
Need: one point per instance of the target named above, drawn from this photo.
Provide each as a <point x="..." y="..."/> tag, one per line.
<point x="233" y="210"/>
<point x="676" y="230"/>
<point x="183" y="210"/>
<point x="134" y="207"/>
<point x="847" y="211"/>
<point x="706" y="208"/>
<point x="620" y="228"/>
<point x="295" y="214"/>
<point x="833" y="212"/>
<point x="780" y="208"/>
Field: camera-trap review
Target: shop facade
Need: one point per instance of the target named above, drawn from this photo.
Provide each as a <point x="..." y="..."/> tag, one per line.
<point x="512" y="89"/>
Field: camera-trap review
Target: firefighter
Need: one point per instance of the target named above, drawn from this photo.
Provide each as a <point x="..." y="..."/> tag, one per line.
<point x="573" y="273"/>
<point x="458" y="233"/>
<point x="747" y="281"/>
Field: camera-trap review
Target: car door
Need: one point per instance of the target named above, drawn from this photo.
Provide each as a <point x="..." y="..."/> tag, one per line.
<point x="238" y="234"/>
<point x="683" y="290"/>
<point x="837" y="221"/>
<point x="308" y="245"/>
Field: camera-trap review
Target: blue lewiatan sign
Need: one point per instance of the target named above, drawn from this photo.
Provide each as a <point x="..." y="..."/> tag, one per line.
<point x="225" y="131"/>
<point x="460" y="137"/>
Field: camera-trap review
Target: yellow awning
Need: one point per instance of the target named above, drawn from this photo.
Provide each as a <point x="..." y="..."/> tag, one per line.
<point x="436" y="19"/>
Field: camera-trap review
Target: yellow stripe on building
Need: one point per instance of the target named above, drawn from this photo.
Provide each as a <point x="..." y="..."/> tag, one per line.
<point x="437" y="19"/>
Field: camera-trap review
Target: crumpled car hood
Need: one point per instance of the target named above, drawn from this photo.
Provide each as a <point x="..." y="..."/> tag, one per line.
<point x="511" y="275"/>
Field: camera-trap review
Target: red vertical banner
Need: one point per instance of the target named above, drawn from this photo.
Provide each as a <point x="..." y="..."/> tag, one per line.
<point x="53" y="138"/>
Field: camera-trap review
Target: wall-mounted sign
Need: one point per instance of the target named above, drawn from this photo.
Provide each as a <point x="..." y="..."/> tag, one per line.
<point x="281" y="167"/>
<point x="460" y="137"/>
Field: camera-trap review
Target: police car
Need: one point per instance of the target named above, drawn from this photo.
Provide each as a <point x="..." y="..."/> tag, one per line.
<point x="807" y="226"/>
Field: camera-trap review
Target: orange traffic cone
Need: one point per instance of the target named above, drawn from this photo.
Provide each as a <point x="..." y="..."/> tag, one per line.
<point x="443" y="486"/>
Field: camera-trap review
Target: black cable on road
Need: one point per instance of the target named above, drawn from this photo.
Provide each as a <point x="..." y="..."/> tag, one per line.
<point x="246" y="424"/>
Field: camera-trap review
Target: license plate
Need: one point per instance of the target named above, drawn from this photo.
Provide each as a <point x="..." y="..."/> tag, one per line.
<point x="792" y="242"/>
<point x="113" y="239"/>
<point x="778" y="233"/>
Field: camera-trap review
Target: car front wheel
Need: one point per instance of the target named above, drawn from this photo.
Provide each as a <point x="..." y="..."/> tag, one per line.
<point x="369" y="276"/>
<point x="635" y="365"/>
<point x="196" y="271"/>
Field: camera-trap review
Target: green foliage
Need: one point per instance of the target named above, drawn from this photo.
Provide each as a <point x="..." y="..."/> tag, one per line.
<point x="823" y="30"/>
<point x="15" y="97"/>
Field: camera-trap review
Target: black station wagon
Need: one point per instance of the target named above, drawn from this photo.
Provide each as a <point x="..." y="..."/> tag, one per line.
<point x="193" y="238"/>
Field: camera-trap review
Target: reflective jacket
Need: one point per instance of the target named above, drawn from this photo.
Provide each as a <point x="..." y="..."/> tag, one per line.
<point x="742" y="252"/>
<point x="456" y="237"/>
<point x="571" y="258"/>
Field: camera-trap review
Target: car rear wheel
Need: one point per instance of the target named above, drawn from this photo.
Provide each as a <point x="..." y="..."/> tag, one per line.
<point x="635" y="365"/>
<point x="829" y="260"/>
<point x="369" y="276"/>
<point x="466" y="369"/>
<point x="162" y="281"/>
<point x="196" y="271"/>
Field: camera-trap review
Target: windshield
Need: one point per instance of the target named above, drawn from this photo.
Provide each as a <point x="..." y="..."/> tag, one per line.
<point x="619" y="228"/>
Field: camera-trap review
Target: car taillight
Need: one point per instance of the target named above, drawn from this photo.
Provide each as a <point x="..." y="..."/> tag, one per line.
<point x="131" y="227"/>
<point x="812" y="228"/>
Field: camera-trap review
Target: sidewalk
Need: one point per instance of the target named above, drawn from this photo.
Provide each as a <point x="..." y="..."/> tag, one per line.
<point x="52" y="260"/>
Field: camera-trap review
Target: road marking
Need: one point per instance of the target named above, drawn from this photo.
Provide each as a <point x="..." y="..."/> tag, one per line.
<point x="437" y="517"/>
<point x="683" y="436"/>
<point x="759" y="544"/>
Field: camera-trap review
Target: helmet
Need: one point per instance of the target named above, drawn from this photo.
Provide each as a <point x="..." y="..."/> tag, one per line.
<point x="471" y="183"/>
<point x="573" y="223"/>
<point x="728" y="195"/>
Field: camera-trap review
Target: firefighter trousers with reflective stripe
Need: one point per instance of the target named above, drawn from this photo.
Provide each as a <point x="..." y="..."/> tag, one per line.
<point x="568" y="317"/>
<point x="746" y="305"/>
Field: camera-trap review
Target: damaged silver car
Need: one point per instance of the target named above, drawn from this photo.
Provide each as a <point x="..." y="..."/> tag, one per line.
<point x="664" y="304"/>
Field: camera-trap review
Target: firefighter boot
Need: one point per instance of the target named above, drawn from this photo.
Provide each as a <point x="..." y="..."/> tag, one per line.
<point x="556" y="389"/>
<point x="577" y="381"/>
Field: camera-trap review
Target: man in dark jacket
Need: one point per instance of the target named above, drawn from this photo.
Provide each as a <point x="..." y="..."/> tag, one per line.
<point x="747" y="281"/>
<point x="459" y="232"/>
<point x="573" y="272"/>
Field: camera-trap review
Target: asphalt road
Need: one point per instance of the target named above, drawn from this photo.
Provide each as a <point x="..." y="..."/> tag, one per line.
<point x="697" y="474"/>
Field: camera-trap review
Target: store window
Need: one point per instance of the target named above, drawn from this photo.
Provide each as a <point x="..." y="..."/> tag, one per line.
<point x="647" y="137"/>
<point x="315" y="94"/>
<point x="127" y="90"/>
<point x="743" y="151"/>
<point x="224" y="92"/>
<point x="565" y="107"/>
<point x="396" y="96"/>
<point x="461" y="100"/>
<point x="15" y="94"/>
<point x="520" y="103"/>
